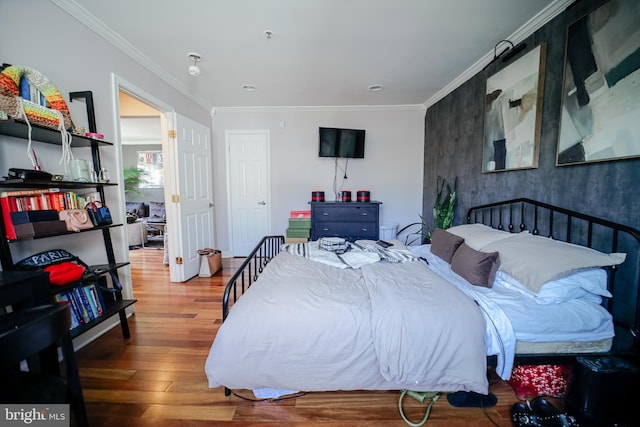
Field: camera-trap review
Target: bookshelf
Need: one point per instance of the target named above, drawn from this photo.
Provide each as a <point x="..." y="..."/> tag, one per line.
<point x="111" y="293"/>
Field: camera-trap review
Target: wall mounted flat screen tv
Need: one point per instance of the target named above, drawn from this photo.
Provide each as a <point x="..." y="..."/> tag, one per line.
<point x="347" y="143"/>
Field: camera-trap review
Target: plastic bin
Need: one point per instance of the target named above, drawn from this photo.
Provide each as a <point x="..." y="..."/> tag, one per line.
<point x="603" y="392"/>
<point x="388" y="231"/>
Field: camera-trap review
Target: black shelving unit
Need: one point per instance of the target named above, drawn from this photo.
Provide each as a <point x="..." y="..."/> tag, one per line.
<point x="115" y="304"/>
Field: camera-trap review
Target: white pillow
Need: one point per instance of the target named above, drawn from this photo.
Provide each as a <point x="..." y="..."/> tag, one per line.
<point x="478" y="235"/>
<point x="535" y="260"/>
<point x="589" y="285"/>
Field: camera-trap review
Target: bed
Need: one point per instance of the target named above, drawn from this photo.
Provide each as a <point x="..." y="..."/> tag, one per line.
<point x="430" y="318"/>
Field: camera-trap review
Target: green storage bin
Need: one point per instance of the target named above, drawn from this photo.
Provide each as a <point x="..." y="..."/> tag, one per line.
<point x="300" y="223"/>
<point x="298" y="232"/>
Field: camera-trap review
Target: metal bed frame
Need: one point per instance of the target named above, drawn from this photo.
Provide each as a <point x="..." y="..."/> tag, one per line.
<point x="518" y="215"/>
<point x="249" y="271"/>
<point x="539" y="218"/>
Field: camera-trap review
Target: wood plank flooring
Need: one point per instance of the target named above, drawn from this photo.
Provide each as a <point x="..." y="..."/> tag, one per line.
<point x="156" y="378"/>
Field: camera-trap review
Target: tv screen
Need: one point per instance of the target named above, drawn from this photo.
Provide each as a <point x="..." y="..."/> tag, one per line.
<point x="348" y="143"/>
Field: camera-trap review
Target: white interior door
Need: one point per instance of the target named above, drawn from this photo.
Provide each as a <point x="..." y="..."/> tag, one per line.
<point x="189" y="196"/>
<point x="249" y="188"/>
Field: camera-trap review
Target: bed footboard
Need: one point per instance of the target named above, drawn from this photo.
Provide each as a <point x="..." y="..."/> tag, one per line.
<point x="248" y="273"/>
<point x="249" y="270"/>
<point x="574" y="227"/>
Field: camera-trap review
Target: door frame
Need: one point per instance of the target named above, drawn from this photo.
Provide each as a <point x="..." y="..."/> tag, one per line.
<point x="227" y="147"/>
<point x="120" y="84"/>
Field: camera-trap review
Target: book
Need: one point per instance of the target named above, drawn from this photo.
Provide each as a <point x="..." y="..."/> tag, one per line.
<point x="25" y="92"/>
<point x="97" y="297"/>
<point x="9" y="229"/>
<point x="85" y="302"/>
<point x="82" y="311"/>
<point x="62" y="296"/>
<point x="74" y="306"/>
<point x="71" y="200"/>
<point x="91" y="301"/>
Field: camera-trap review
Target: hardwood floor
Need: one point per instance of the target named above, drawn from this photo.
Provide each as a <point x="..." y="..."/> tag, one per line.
<point x="156" y="378"/>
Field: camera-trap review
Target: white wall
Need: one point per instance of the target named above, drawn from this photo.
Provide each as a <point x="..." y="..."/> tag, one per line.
<point x="392" y="168"/>
<point x="75" y="58"/>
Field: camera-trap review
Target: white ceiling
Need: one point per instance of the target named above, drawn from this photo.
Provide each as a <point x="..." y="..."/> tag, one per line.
<point x="322" y="52"/>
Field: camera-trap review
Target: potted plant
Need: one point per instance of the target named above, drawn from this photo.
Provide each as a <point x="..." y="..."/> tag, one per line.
<point x="443" y="214"/>
<point x="132" y="178"/>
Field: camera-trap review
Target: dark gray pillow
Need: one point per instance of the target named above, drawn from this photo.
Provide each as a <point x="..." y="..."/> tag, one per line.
<point x="445" y="244"/>
<point x="477" y="268"/>
<point x="137" y="208"/>
<point x="157" y="211"/>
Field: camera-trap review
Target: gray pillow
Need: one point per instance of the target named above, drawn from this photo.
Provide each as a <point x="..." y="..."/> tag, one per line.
<point x="477" y="268"/>
<point x="137" y="208"/>
<point x="478" y="235"/>
<point x="444" y="244"/>
<point x="535" y="260"/>
<point x="157" y="211"/>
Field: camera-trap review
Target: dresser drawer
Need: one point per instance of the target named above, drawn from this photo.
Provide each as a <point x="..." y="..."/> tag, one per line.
<point x="349" y="220"/>
<point x="349" y="230"/>
<point x="347" y="213"/>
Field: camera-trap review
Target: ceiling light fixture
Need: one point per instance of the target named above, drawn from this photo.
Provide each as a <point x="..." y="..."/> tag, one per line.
<point x="194" y="70"/>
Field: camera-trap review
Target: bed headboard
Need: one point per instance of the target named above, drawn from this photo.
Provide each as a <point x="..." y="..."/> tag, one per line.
<point x="517" y="215"/>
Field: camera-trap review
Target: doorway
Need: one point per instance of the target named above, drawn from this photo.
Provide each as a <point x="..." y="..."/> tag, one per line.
<point x="143" y="170"/>
<point x="186" y="223"/>
<point x="249" y="188"/>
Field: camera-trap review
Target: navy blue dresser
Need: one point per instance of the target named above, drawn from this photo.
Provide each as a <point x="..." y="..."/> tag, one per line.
<point x="349" y="220"/>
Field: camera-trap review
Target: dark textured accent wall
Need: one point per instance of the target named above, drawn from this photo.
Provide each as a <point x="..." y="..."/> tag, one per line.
<point x="454" y="136"/>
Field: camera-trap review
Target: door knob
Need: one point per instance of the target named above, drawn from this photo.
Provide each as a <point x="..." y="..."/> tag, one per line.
<point x="262" y="203"/>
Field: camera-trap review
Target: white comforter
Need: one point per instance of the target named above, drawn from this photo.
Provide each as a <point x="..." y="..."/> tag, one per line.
<point x="308" y="326"/>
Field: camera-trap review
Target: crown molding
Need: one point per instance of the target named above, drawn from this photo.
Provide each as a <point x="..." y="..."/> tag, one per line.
<point x="535" y="23"/>
<point x="94" y="24"/>
<point x="285" y="109"/>
<point x="91" y="22"/>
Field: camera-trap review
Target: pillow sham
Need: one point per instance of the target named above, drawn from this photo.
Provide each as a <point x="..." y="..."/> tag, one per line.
<point x="477" y="268"/>
<point x="589" y="285"/>
<point x="535" y="260"/>
<point x="444" y="244"/>
<point x="478" y="235"/>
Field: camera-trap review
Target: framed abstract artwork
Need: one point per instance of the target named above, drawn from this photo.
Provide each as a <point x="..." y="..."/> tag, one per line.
<point x="600" y="119"/>
<point x="513" y="114"/>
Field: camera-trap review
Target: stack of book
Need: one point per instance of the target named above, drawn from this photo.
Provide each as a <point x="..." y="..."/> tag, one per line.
<point x="299" y="227"/>
<point x="86" y="303"/>
<point x="29" y="213"/>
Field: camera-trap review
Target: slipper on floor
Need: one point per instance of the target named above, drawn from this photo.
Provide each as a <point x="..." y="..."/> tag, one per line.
<point x="522" y="416"/>
<point x="471" y="399"/>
